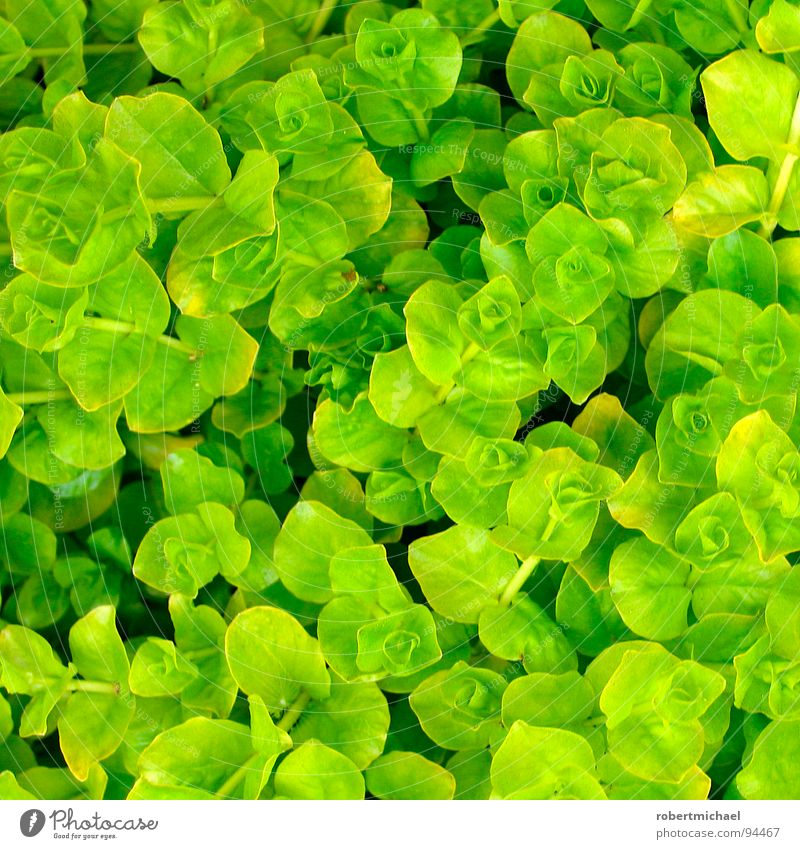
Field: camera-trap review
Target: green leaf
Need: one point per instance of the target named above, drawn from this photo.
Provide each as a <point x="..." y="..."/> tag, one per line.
<point x="544" y="763"/>
<point x="649" y="586"/>
<point x="720" y="201"/>
<point x="451" y="427"/>
<point x="411" y="54"/>
<point x="434" y="337"/>
<point x="464" y="500"/>
<point x="779" y="30"/>
<point x="655" y="707"/>
<point x="750" y="101"/>
<point x="271" y="656"/>
<point x="10" y="416"/>
<point x="460" y="571"/>
<point x="60" y="233"/>
<point x="215" y="357"/>
<point x="291" y="115"/>
<point x="193" y="760"/>
<point x="546" y="700"/>
<point x="459" y="708"/>
<point x="364" y="641"/>
<point x="185" y="552"/>
<point x="756" y="464"/>
<point x="159" y="669"/>
<point x="256" y="207"/>
<point x="357" y="439"/>
<point x="572" y="275"/>
<point x="189" y="479"/>
<point x="492" y="315"/>
<point x="202" y="44"/>
<point x="643" y="183"/>
<point x="398" y="391"/>
<point x="13" y="51"/>
<point x="354" y="721"/>
<point x="681" y="359"/>
<point x="770" y="773"/>
<point x="315" y="771"/>
<point x="781" y="616"/>
<point x="444" y="155"/>
<point x="360" y="193"/>
<point x="622" y="440"/>
<point x="29" y="666"/>
<point x="524" y="633"/>
<point x="542" y="45"/>
<point x="97" y="650"/>
<point x="200" y="635"/>
<point x="311" y="536"/>
<point x="408" y="775"/>
<point x="10" y="788"/>
<point x="181" y="155"/>
<point x="552" y="510"/>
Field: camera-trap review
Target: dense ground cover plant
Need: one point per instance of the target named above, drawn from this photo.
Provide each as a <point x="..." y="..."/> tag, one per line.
<point x="399" y="399"/>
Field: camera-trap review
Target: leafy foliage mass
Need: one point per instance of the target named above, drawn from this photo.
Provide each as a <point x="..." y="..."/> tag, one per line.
<point x="400" y="400"/>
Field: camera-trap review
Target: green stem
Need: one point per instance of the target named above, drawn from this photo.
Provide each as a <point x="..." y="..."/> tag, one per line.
<point x="515" y="584"/>
<point x="708" y="363"/>
<point x="320" y="20"/>
<point x="738" y="15"/>
<point x="200" y="654"/>
<point x="41" y="396"/>
<point x="442" y="394"/>
<point x="293" y="712"/>
<point x="107" y="687"/>
<point x="88" y="50"/>
<point x="470" y="352"/>
<point x="784" y="177"/>
<point x="233" y="781"/>
<point x="420" y="124"/>
<point x="109" y="325"/>
<point x="477" y="33"/>
<point x="778" y="195"/>
<point x="655" y="32"/>
<point x="168" y="206"/>
<point x="177" y="345"/>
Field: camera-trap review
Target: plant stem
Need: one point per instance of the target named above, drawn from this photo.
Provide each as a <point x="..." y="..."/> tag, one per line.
<point x="738" y="15"/>
<point x="107" y="687"/>
<point x="293" y="712"/>
<point x="655" y="32"/>
<point x="167" y="206"/>
<point x="475" y="35"/>
<point x="420" y="124"/>
<point x="784" y="177"/>
<point x="200" y="654"/>
<point x="470" y="352"/>
<point x="233" y="780"/>
<point x="40" y="396"/>
<point x="320" y="20"/>
<point x="176" y="344"/>
<point x="442" y="394"/>
<point x="88" y="50"/>
<point x="109" y="325"/>
<point x="515" y="584"/>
